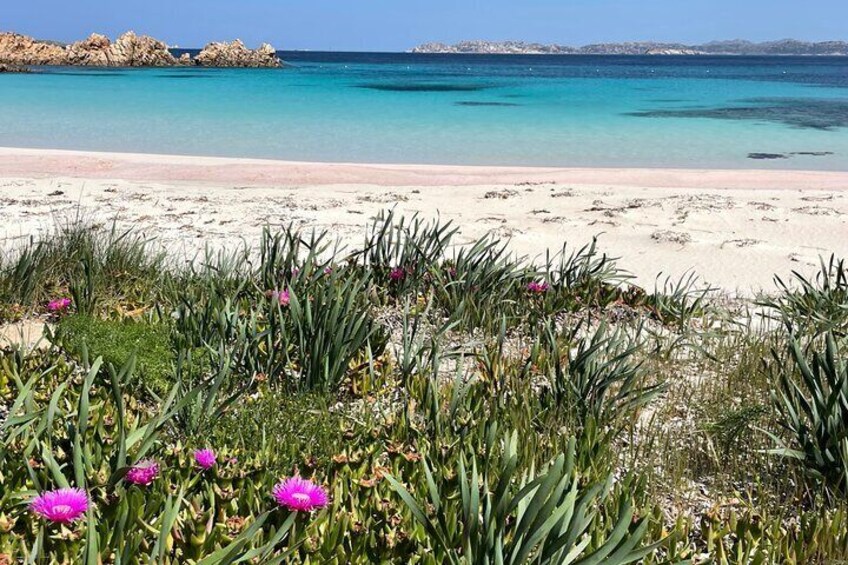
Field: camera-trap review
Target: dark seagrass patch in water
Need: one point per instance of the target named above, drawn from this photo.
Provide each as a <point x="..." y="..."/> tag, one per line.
<point x="804" y="113"/>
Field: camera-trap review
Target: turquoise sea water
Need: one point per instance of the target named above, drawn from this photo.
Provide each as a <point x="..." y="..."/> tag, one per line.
<point x="399" y="108"/>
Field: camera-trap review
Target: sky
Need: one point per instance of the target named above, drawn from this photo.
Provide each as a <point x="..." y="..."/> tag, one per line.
<point x="397" y="25"/>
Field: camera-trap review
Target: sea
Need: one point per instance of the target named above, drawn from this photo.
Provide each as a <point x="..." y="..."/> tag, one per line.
<point x="562" y="110"/>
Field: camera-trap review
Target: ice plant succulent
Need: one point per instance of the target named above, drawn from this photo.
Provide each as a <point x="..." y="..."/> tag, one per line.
<point x="300" y="495"/>
<point x="206" y="458"/>
<point x="537" y="287"/>
<point x="63" y="505"/>
<point x="59" y="305"/>
<point x="143" y="473"/>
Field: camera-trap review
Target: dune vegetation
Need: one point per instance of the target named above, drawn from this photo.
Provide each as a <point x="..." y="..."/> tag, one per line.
<point x="411" y="399"/>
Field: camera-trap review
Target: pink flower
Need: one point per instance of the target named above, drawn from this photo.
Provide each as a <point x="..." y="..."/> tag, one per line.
<point x="538" y="287"/>
<point x="299" y="495"/>
<point x="281" y="296"/>
<point x="284" y="297"/>
<point x="59" y="305"/>
<point x="64" y="505"/>
<point x="328" y="270"/>
<point x="397" y="274"/>
<point x="206" y="458"/>
<point x="143" y="473"/>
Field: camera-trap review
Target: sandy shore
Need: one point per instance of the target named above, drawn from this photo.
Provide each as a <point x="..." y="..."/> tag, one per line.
<point x="41" y="163"/>
<point x="736" y="229"/>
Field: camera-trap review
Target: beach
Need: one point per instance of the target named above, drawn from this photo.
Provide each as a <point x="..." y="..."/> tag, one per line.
<point x="356" y="301"/>
<point x="734" y="229"/>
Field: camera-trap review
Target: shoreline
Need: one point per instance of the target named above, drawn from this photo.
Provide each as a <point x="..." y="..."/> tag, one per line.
<point x="267" y="172"/>
<point x="735" y="230"/>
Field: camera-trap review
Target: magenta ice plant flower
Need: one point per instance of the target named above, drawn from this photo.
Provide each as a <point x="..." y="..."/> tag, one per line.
<point x="538" y="287"/>
<point x="281" y="296"/>
<point x="284" y="297"/>
<point x="397" y="274"/>
<point x="300" y="495"/>
<point x="58" y="305"/>
<point x="143" y="473"/>
<point x="63" y="505"/>
<point x="206" y="458"/>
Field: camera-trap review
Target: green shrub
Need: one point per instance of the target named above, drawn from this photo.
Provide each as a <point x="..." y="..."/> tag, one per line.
<point x="480" y="285"/>
<point x="598" y="376"/>
<point x="580" y="278"/>
<point x="98" y="266"/>
<point x="676" y="303"/>
<point x="813" y="410"/>
<point x="508" y="516"/>
<point x="22" y="273"/>
<point x="331" y="327"/>
<point x="815" y="305"/>
<point x="414" y="247"/>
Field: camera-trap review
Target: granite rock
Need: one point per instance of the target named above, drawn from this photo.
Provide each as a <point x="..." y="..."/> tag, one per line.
<point x="129" y="50"/>
<point x="235" y="54"/>
<point x="19" y="50"/>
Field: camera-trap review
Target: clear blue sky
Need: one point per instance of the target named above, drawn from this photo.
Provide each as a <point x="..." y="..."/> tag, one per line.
<point x="396" y="25"/>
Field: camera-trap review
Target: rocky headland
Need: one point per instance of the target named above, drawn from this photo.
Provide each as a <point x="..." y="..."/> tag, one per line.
<point x="733" y="47"/>
<point x="20" y="50"/>
<point x="129" y="50"/>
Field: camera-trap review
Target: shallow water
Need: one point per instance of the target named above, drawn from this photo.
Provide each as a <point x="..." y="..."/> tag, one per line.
<point x="736" y="112"/>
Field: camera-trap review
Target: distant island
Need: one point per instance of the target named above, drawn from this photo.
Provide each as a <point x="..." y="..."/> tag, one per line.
<point x="732" y="47"/>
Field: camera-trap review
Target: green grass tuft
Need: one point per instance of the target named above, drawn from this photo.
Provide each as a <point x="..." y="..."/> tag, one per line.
<point x="117" y="340"/>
